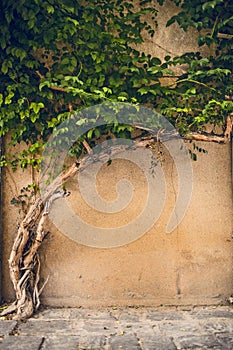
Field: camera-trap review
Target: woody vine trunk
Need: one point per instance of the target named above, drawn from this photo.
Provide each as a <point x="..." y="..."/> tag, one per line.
<point x="24" y="261"/>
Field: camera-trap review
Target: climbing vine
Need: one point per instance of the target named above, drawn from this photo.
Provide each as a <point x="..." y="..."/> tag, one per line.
<point x="204" y="92"/>
<point x="60" y="57"/>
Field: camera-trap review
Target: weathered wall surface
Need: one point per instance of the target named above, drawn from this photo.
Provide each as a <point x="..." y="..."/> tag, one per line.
<point x="1" y="222"/>
<point x="193" y="264"/>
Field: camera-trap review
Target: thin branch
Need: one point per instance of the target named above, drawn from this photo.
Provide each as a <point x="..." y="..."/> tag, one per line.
<point x="229" y="125"/>
<point x="40" y="75"/>
<point x="191" y="81"/>
<point x="52" y="87"/>
<point x="207" y="138"/>
<point x="226" y="137"/>
<point x="57" y="88"/>
<point x="87" y="147"/>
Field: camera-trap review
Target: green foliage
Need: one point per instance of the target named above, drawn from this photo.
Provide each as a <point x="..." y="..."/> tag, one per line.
<point x="193" y="152"/>
<point x="25" y="198"/>
<point x="59" y="57"/>
<point x="65" y="54"/>
<point x="202" y="93"/>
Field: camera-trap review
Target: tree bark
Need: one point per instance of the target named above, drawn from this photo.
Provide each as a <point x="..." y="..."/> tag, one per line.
<point x="24" y="261"/>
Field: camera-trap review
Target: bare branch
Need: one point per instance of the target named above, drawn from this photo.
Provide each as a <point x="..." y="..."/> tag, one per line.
<point x="229" y="125"/>
<point x="207" y="138"/>
<point x="52" y="87"/>
<point x="86" y="145"/>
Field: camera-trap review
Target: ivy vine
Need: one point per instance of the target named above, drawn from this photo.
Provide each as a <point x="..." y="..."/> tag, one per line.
<point x="58" y="57"/>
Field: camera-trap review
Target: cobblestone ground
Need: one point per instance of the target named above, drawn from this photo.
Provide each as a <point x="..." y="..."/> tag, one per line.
<point x="121" y="328"/>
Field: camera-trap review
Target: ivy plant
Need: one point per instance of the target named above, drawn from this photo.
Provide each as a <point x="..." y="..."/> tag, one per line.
<point x="58" y="57"/>
<point x="203" y="94"/>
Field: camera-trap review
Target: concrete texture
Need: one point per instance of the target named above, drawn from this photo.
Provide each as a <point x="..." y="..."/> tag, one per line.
<point x="172" y="40"/>
<point x="122" y="328"/>
<point x="192" y="265"/>
<point x="1" y="218"/>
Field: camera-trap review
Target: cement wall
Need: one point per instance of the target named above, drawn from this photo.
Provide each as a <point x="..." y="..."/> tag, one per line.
<point x="192" y="265"/>
<point x="1" y="221"/>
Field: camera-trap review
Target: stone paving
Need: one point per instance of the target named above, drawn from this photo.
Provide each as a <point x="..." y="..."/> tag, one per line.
<point x="170" y="328"/>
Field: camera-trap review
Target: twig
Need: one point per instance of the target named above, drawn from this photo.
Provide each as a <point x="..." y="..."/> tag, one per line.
<point x="226" y="137"/>
<point x="229" y="125"/>
<point x="88" y="148"/>
<point x="52" y="87"/>
<point x="207" y="138"/>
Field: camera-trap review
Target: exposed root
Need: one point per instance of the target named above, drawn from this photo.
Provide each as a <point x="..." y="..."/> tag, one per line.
<point x="24" y="262"/>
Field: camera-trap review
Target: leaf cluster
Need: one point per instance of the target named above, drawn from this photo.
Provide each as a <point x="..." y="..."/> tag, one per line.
<point x="204" y="92"/>
<point x="59" y="57"/>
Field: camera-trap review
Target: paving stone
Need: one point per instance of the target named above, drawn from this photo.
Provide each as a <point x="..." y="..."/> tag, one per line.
<point x="124" y="342"/>
<point x="129" y="317"/>
<point x="172" y="316"/>
<point x="91" y="342"/>
<point x="159" y="316"/>
<point x="73" y="313"/>
<point x="155" y="316"/>
<point x="172" y="328"/>
<point x="61" y="343"/>
<point x="196" y="341"/>
<point x="205" y="314"/>
<point x="133" y="313"/>
<point x="121" y="329"/>
<point x="138" y="328"/>
<point x="102" y="327"/>
<point x="147" y="331"/>
<point x="32" y="327"/>
<point x="54" y="314"/>
<point x="94" y="315"/>
<point x="21" y="343"/>
<point x="226" y="339"/>
<point x="155" y="342"/>
<point x="217" y="326"/>
<point x="127" y="327"/>
<point x="6" y="327"/>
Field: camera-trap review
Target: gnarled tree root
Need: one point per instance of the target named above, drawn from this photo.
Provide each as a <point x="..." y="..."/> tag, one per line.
<point x="24" y="262"/>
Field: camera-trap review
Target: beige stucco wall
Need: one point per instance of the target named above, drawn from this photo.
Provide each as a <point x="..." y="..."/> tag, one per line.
<point x="193" y="264"/>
